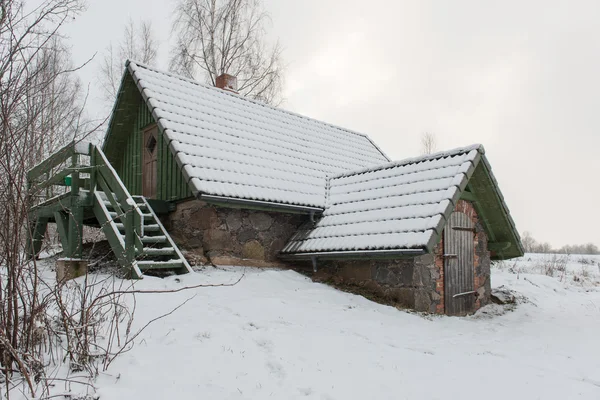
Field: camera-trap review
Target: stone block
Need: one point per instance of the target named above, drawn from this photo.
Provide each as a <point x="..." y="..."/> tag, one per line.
<point x="216" y="239"/>
<point x="422" y="300"/>
<point x="261" y="221"/>
<point x="234" y="220"/>
<point x="253" y="250"/>
<point x="70" y="268"/>
<point x="204" y="218"/>
<point x="245" y="235"/>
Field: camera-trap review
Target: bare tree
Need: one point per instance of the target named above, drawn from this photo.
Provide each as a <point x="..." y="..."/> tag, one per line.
<point x="228" y="36"/>
<point x="41" y="106"/>
<point x="528" y="242"/>
<point x="138" y="44"/>
<point x="428" y="143"/>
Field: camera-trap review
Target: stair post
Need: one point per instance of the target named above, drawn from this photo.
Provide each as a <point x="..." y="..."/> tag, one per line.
<point x="75" y="226"/>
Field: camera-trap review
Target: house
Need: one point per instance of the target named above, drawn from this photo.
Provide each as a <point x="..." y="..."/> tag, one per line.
<point x="241" y="182"/>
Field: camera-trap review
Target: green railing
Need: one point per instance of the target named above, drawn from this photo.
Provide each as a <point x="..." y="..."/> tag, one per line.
<point x="64" y="168"/>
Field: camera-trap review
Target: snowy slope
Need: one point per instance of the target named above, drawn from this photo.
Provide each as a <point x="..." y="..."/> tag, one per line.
<point x="277" y="335"/>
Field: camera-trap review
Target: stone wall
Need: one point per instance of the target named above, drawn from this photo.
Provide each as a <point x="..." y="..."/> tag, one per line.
<point x="230" y="236"/>
<point x="416" y="283"/>
<point x="404" y="282"/>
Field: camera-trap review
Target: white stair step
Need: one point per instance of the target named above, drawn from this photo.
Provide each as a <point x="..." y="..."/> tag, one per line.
<point x="171" y="264"/>
<point x="108" y="205"/>
<point x="114" y="215"/>
<point x="154" y="239"/>
<point x="158" y="251"/>
<point x="147" y="228"/>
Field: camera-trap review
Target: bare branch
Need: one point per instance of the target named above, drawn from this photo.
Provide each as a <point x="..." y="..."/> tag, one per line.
<point x="228" y="36"/>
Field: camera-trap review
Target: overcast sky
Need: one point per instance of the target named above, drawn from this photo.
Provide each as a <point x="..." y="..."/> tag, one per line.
<point x="520" y="77"/>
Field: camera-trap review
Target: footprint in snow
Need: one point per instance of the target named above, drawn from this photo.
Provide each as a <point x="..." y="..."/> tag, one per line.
<point x="202" y="336"/>
<point x="305" y="391"/>
<point x="276" y="369"/>
<point x="264" y="344"/>
<point x="250" y="326"/>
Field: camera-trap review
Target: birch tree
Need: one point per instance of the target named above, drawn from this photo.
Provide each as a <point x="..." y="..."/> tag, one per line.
<point x="428" y="143"/>
<point x="138" y="44"/>
<point x="214" y="37"/>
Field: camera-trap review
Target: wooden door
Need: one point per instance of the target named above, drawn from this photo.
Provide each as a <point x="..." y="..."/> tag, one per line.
<point x="149" y="162"/>
<point x="459" y="272"/>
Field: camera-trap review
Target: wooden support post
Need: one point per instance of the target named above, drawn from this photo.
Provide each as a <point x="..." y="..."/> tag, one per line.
<point x="129" y="235"/>
<point x="36" y="237"/>
<point x="62" y="224"/>
<point x="75" y="235"/>
<point x="93" y="171"/>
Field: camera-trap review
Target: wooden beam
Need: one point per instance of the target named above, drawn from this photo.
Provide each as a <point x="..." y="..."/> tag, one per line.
<point x="36" y="237"/>
<point x="62" y="225"/>
<point x="55" y="159"/>
<point x="468" y="196"/>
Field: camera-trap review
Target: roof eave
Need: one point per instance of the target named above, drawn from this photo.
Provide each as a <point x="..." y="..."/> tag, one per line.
<point x="354" y="254"/>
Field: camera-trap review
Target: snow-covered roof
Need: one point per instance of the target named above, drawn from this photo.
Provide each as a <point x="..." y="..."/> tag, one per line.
<point x="231" y="146"/>
<point x="402" y="205"/>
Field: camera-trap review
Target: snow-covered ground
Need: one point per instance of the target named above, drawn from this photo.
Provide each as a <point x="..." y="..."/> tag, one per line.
<point x="278" y="335"/>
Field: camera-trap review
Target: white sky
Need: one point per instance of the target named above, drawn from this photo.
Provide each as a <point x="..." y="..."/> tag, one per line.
<point x="521" y="77"/>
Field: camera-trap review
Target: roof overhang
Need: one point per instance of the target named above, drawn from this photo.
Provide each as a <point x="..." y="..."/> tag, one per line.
<point x="258" y="204"/>
<point x="356" y="254"/>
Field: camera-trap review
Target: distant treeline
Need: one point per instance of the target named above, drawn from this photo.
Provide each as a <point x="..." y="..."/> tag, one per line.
<point x="533" y="246"/>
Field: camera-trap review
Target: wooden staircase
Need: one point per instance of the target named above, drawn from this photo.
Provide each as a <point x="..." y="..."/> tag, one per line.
<point x="154" y="249"/>
<point x="97" y="197"/>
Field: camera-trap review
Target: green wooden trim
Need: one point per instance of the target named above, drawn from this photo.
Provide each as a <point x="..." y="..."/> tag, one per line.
<point x="57" y="179"/>
<point x="499" y="246"/>
<point x="56" y="158"/>
<point x="62" y="219"/>
<point x="468" y="196"/>
<point x="36" y="236"/>
<point x="75" y="233"/>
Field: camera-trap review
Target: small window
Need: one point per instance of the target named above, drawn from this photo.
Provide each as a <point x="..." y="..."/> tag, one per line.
<point x="151" y="145"/>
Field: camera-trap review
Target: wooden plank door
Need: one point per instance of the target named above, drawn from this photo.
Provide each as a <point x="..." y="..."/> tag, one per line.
<point x="149" y="162"/>
<point x="459" y="296"/>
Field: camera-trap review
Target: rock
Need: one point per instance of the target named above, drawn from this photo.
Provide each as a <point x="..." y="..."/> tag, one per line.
<point x="502" y="295"/>
<point x="253" y="250"/>
<point x="246" y="235"/>
<point x="217" y="240"/>
<point x="422" y="300"/>
<point x="205" y="218"/>
<point x="234" y="220"/>
<point x="261" y="221"/>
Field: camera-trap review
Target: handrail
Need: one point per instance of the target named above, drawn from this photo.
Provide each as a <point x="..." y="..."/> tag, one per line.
<point x="58" y="157"/>
<point x="103" y="176"/>
<point x="131" y="214"/>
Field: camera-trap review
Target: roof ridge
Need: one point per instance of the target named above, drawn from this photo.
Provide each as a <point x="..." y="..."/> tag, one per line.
<point x="189" y="80"/>
<point x="413" y="160"/>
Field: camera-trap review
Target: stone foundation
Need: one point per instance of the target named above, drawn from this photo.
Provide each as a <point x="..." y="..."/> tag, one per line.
<point x="230" y="236"/>
<point x="407" y="282"/>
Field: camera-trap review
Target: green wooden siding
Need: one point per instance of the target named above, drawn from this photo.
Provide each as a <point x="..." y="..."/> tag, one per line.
<point x="171" y="185"/>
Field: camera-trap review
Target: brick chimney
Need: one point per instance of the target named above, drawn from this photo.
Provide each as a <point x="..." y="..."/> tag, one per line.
<point x="227" y="82"/>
